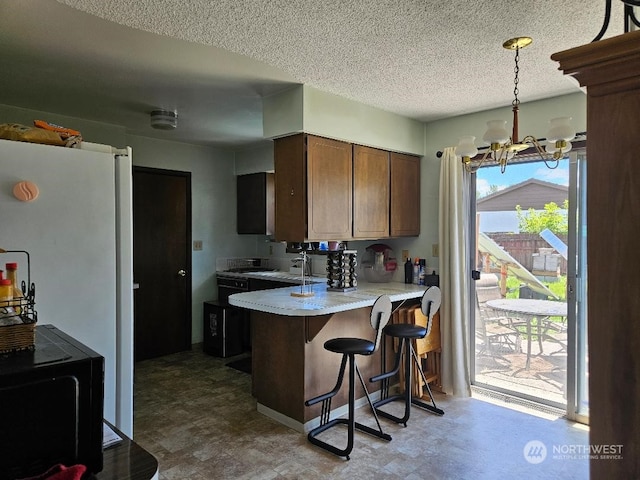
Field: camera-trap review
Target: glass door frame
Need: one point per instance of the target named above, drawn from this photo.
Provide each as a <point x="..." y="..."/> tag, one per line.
<point x="577" y="377"/>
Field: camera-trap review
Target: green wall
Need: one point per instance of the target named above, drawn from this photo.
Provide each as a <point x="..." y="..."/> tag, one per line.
<point x="306" y="109"/>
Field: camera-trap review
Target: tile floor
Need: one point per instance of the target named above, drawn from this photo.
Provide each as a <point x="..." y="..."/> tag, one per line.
<point x="198" y="418"/>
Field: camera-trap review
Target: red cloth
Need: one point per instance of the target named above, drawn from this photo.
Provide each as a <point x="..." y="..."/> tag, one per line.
<point x="60" y="472"/>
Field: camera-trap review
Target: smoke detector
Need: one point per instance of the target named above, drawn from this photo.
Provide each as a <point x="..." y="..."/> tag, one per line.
<point x="164" y="119"/>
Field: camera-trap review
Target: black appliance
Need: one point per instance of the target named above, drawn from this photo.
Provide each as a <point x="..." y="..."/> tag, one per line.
<point x="223" y="329"/>
<point x="51" y="406"/>
<point x="226" y="328"/>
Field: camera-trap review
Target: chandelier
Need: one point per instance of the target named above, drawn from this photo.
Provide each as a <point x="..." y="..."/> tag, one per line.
<point x="630" y="20"/>
<point x="502" y="147"/>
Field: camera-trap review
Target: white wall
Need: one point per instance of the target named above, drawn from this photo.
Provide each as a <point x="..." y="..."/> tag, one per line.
<point x="256" y="158"/>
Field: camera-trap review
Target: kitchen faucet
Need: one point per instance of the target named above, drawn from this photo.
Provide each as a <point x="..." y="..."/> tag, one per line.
<point x="303" y="262"/>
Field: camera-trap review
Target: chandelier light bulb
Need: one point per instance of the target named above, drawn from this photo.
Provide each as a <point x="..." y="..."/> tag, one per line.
<point x="466" y="147"/>
<point x="496" y="132"/>
<point x="560" y="129"/>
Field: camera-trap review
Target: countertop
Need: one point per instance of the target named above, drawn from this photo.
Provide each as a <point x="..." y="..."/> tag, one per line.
<point x="276" y="276"/>
<point x="280" y="301"/>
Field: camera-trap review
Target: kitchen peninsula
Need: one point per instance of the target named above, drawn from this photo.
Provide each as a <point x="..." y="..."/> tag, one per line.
<point x="289" y="362"/>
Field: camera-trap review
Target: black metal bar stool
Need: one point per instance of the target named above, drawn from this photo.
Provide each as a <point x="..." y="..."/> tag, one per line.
<point x="406" y="332"/>
<point x="349" y="348"/>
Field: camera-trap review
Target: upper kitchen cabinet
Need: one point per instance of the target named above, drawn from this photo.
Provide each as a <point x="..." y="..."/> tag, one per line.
<point x="370" y="193"/>
<point x="313" y="188"/>
<point x="255" y="203"/>
<point x="405" y="195"/>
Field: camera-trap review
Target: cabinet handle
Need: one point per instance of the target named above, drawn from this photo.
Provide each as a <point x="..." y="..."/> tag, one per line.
<point x="182" y="273"/>
<point x="291" y="192"/>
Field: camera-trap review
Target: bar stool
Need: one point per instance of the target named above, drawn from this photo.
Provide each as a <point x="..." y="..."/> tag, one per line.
<point x="349" y="348"/>
<point x="406" y="332"/>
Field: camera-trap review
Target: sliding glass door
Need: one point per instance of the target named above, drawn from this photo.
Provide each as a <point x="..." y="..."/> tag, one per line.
<point x="529" y="320"/>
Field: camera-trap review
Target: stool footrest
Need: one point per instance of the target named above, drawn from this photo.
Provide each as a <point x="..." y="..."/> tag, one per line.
<point x="342" y="452"/>
<point x="408" y="399"/>
<point x="383" y="376"/>
<point x="326" y="423"/>
<point x="422" y="404"/>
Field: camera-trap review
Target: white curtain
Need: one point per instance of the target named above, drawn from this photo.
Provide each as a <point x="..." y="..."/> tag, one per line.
<point x="454" y="275"/>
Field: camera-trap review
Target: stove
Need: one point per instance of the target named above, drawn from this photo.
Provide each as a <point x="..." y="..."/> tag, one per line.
<point x="249" y="269"/>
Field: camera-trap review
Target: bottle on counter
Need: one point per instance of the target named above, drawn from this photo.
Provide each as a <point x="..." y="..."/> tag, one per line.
<point x="12" y="274"/>
<point x="408" y="271"/>
<point x="422" y="272"/>
<point x="416" y="271"/>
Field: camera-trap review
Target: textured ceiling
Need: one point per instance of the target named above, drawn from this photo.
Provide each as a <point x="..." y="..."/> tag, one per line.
<point x="426" y="59"/>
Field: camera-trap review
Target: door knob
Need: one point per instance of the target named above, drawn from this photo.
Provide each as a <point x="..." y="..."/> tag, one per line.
<point x="182" y="273"/>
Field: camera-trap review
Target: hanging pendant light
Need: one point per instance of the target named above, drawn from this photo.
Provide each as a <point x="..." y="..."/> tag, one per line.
<point x="504" y="147"/>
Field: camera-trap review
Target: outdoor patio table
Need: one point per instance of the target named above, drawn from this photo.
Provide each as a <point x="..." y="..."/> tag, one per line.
<point x="533" y="312"/>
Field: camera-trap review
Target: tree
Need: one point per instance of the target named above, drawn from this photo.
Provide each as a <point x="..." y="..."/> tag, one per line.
<point x="552" y="217"/>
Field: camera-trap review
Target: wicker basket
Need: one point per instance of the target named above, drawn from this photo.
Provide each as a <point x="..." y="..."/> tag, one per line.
<point x="15" y="338"/>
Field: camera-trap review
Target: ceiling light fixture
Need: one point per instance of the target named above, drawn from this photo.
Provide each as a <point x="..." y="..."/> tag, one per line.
<point x="503" y="147"/>
<point x="164" y="119"/>
<point x="629" y="17"/>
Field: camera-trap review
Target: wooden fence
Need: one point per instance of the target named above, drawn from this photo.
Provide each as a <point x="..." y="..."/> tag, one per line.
<point x="522" y="246"/>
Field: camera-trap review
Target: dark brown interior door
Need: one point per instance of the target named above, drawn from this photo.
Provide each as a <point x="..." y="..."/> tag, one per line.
<point x="161" y="261"/>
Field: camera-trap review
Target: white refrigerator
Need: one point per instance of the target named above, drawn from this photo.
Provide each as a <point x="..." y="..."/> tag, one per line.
<point x="78" y="232"/>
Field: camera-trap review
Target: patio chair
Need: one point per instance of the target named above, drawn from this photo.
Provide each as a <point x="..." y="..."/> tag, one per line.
<point x="498" y="332"/>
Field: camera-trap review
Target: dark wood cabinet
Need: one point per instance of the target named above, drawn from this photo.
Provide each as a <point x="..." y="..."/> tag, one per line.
<point x="255" y="203"/>
<point x="609" y="70"/>
<point x="333" y="190"/>
<point x="370" y="193"/>
<point x="291" y="188"/>
<point x="329" y="186"/>
<point x="405" y="195"/>
<point x="313" y="188"/>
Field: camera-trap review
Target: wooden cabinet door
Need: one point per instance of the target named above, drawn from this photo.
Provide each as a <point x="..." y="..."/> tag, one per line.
<point x="405" y="195"/>
<point x="370" y="193"/>
<point x="290" y="188"/>
<point x="329" y="189"/>
<point x="255" y="203"/>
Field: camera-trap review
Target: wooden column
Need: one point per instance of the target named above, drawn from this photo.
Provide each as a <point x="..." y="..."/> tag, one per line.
<point x="610" y="69"/>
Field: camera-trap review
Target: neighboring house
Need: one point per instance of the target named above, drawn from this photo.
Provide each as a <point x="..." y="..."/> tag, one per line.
<point x="497" y="211"/>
